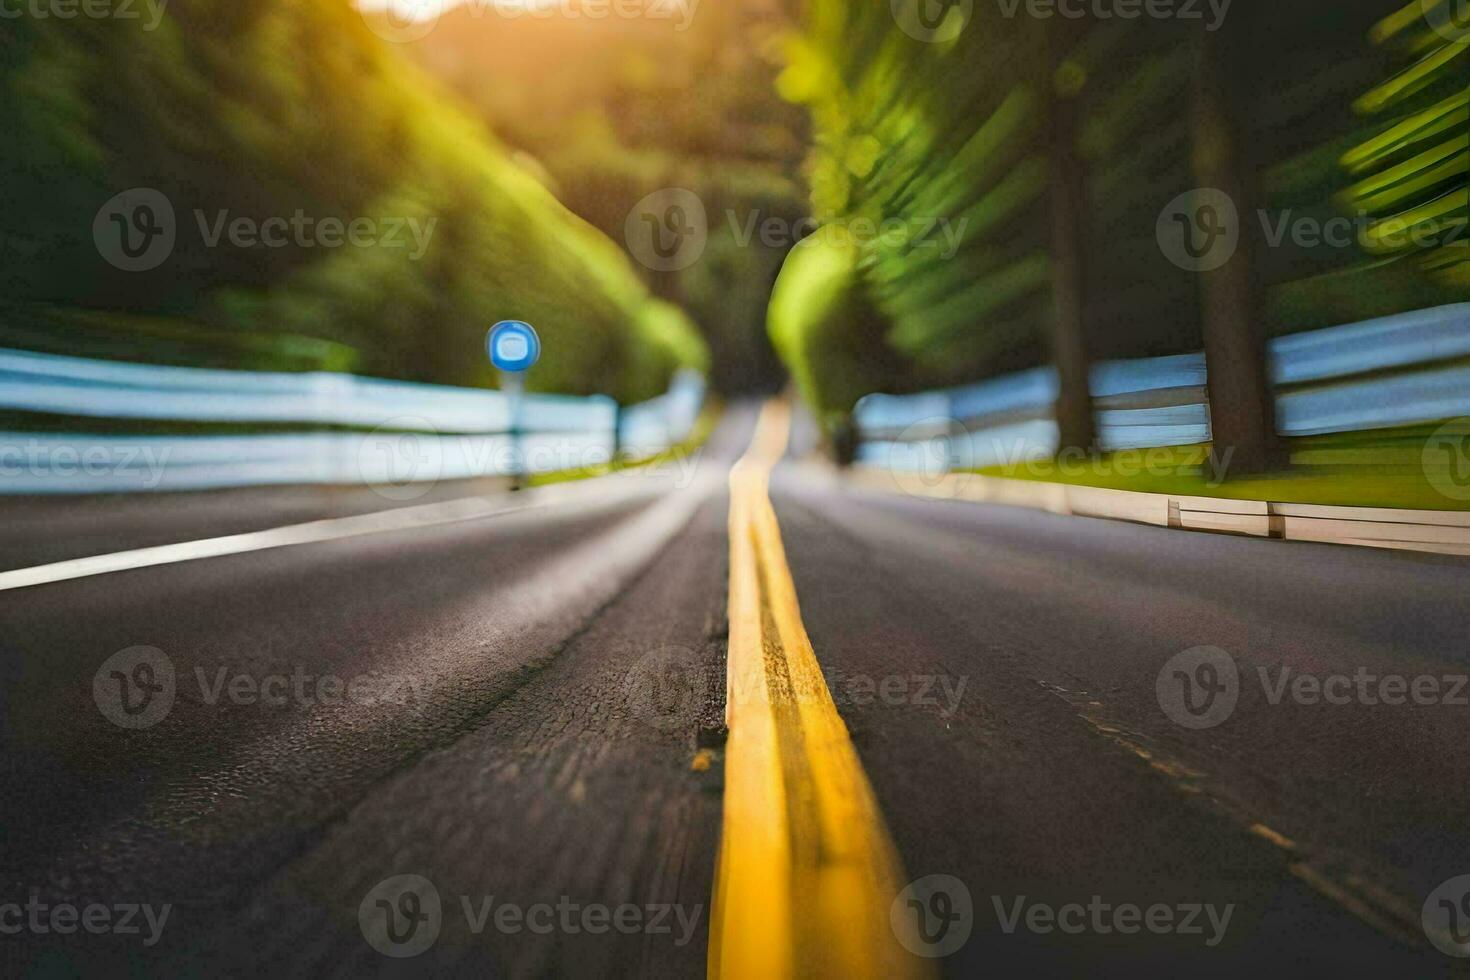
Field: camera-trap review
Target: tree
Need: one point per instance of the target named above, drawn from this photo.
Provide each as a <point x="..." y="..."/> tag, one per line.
<point x="1242" y="405"/>
<point x="1063" y="81"/>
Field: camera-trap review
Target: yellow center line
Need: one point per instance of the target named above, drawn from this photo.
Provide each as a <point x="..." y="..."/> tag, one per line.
<point x="807" y="872"/>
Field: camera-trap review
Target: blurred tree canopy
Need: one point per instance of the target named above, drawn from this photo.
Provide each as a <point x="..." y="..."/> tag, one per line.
<point x="1413" y="175"/>
<point x="951" y="122"/>
<point x="267" y="108"/>
<point x="606" y="111"/>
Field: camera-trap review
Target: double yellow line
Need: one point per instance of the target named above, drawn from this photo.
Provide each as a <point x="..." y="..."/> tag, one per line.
<point x="807" y="873"/>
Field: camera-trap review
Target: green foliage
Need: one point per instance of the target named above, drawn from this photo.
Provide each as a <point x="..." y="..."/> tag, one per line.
<point x="267" y="108"/>
<point x="823" y="328"/>
<point x="960" y="131"/>
<point x="1412" y="175"/>
<point x="935" y="147"/>
<point x="606" y="112"/>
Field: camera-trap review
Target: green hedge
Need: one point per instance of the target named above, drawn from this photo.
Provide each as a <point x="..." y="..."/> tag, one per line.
<point x="265" y="107"/>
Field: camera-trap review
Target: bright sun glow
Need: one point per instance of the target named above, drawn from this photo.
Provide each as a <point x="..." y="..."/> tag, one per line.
<point x="420" y="10"/>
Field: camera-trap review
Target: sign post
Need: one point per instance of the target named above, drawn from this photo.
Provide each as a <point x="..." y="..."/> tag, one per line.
<point x="513" y="348"/>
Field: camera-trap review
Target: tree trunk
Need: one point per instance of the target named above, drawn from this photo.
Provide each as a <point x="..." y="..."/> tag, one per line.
<point x="844" y="441"/>
<point x="1242" y="404"/>
<point x="1069" y="344"/>
<point x="617" y="433"/>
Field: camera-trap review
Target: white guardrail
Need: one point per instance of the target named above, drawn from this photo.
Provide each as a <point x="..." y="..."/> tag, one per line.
<point x="1397" y="370"/>
<point x="413" y="432"/>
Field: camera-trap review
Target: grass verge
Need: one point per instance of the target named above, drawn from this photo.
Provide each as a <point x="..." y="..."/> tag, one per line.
<point x="703" y="426"/>
<point x="1401" y="468"/>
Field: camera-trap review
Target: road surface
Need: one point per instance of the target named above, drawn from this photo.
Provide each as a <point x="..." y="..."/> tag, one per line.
<point x="521" y="706"/>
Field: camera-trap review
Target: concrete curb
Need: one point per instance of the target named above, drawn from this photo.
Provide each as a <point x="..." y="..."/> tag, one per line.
<point x="1440" y="532"/>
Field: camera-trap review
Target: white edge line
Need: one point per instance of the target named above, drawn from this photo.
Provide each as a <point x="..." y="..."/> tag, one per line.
<point x="330" y="529"/>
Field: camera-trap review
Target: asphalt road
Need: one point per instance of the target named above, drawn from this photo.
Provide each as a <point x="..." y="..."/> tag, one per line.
<point x="1058" y="776"/>
<point x="524" y="710"/>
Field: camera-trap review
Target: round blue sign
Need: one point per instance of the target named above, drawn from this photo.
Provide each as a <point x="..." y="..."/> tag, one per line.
<point x="513" y="345"/>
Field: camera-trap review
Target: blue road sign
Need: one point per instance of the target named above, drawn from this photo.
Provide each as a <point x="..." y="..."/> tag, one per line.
<point x="513" y="346"/>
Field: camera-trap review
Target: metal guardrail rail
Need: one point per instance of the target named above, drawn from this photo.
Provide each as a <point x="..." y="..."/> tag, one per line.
<point x="411" y="432"/>
<point x="1392" y="371"/>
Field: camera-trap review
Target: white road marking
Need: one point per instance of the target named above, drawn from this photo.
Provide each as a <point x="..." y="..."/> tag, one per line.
<point x="331" y="529"/>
